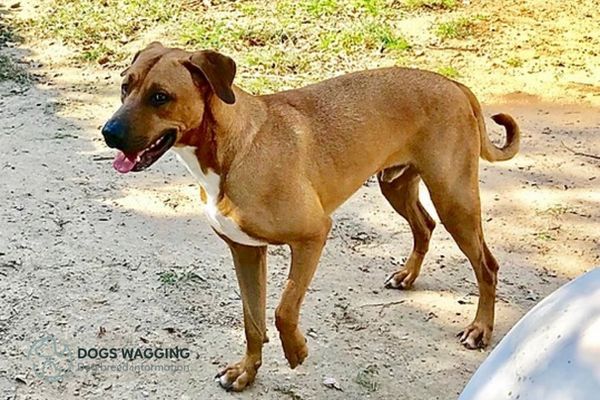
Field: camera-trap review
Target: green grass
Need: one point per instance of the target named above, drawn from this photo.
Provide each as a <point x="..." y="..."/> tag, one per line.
<point x="459" y="28"/>
<point x="288" y="39"/>
<point x="371" y="7"/>
<point x="174" y="278"/>
<point x="371" y="36"/>
<point x="448" y="71"/>
<point x="545" y="236"/>
<point x="514" y="62"/>
<point x="167" y="277"/>
<point x="374" y="36"/>
<point x="206" y="34"/>
<point x="277" y="45"/>
<point x="100" y="28"/>
<point x="277" y="61"/>
<point x="383" y="37"/>
<point x="318" y="8"/>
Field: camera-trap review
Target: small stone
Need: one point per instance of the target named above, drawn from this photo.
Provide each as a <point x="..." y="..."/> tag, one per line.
<point x="332" y="383"/>
<point x="103" y="60"/>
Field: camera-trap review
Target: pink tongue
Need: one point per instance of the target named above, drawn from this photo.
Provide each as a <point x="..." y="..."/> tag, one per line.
<point x="124" y="162"/>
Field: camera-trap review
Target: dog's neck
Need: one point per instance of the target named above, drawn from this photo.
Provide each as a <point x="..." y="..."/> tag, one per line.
<point x="226" y="131"/>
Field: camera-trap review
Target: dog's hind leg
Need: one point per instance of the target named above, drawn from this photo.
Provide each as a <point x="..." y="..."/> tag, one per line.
<point x="456" y="199"/>
<point x="400" y="186"/>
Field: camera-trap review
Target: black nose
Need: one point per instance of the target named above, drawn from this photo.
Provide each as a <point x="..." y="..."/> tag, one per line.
<point x="114" y="133"/>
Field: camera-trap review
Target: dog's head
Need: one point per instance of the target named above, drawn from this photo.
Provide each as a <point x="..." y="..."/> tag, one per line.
<point x="164" y="94"/>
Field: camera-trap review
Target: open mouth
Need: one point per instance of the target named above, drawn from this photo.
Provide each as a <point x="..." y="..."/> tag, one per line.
<point x="139" y="161"/>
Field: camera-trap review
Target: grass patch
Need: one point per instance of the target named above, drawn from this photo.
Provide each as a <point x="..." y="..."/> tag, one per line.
<point x="371" y="7"/>
<point x="545" y="236"/>
<point x="514" y="62"/>
<point x="278" y="61"/>
<point x="456" y="29"/>
<point x="432" y="4"/>
<point x="448" y="71"/>
<point x="318" y="8"/>
<point x="371" y="36"/>
<point x="556" y="211"/>
<point x="99" y="28"/>
<point x="174" y="278"/>
<point x="383" y="37"/>
<point x="206" y="34"/>
<point x="277" y="45"/>
<point x="367" y="378"/>
<point x="262" y="84"/>
<point x="11" y="71"/>
<point x="288" y="40"/>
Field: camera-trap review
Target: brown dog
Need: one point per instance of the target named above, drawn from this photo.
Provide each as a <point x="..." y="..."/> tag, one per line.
<point x="273" y="168"/>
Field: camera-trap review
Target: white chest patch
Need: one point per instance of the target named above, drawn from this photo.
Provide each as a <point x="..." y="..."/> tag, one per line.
<point x="210" y="182"/>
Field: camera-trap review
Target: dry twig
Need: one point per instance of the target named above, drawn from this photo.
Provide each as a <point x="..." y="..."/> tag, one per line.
<point x="578" y="153"/>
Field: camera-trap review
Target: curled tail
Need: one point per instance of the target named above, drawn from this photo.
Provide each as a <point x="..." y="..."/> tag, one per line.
<point x="489" y="151"/>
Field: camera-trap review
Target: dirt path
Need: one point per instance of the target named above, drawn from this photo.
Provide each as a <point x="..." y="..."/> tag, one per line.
<point x="103" y="260"/>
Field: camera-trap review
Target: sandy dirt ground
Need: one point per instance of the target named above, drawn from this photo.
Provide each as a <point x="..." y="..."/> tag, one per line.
<point x="99" y="259"/>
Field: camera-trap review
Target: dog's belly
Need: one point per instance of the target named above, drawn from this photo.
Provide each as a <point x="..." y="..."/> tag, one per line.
<point x="210" y="182"/>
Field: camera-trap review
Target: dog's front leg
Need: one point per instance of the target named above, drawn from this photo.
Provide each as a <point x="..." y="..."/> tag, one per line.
<point x="251" y="270"/>
<point x="305" y="257"/>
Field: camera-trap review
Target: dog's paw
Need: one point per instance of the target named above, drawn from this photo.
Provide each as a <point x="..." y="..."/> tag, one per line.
<point x="294" y="348"/>
<point x="236" y="377"/>
<point x="476" y="336"/>
<point x="402" y="279"/>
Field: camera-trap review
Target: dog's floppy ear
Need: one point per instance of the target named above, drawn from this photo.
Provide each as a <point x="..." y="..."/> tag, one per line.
<point x="137" y="54"/>
<point x="219" y="71"/>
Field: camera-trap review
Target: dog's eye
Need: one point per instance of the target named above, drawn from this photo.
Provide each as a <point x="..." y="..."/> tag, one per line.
<point x="124" y="89"/>
<point x="159" y="98"/>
